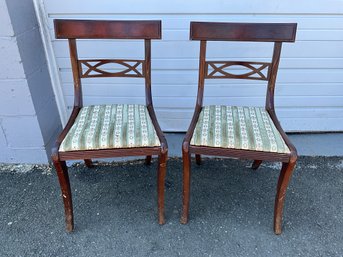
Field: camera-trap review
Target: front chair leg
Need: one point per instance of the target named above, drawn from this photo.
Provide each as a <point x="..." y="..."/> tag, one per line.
<point x="63" y="178"/>
<point x="284" y="178"/>
<point x="256" y="164"/>
<point x="186" y="184"/>
<point x="88" y="163"/>
<point x="161" y="174"/>
<point x="198" y="159"/>
<point x="148" y="160"/>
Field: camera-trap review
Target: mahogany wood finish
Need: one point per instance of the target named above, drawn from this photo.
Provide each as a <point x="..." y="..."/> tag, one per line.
<point x="88" y="163"/>
<point x="198" y="159"/>
<point x="256" y="164"/>
<point x="257" y="32"/>
<point x="255" y="73"/>
<point x="81" y="29"/>
<point x="102" y="29"/>
<point x="148" y="160"/>
<point x="131" y="68"/>
<point x="254" y="32"/>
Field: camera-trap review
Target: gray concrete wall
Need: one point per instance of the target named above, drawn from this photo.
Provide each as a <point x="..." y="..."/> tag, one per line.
<point x="29" y="119"/>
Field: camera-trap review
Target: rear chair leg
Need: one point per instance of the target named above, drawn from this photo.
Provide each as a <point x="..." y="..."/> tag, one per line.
<point x="161" y="174"/>
<point x="284" y="178"/>
<point x="198" y="159"/>
<point x="148" y="160"/>
<point x="186" y="184"/>
<point x="256" y="164"/>
<point x="62" y="173"/>
<point x="88" y="163"/>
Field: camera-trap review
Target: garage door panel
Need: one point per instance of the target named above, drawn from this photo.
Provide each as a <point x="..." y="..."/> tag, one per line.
<point x="309" y="92"/>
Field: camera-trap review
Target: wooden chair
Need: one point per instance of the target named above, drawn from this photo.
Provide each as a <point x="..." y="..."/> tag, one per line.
<point x="234" y="131"/>
<point x="112" y="130"/>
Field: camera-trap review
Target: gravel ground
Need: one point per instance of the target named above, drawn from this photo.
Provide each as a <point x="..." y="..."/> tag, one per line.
<point x="115" y="210"/>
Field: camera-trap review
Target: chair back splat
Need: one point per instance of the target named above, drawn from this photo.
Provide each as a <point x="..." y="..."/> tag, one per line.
<point x="243" y="32"/>
<point x="91" y="68"/>
<point x="238" y="131"/>
<point x="109" y="130"/>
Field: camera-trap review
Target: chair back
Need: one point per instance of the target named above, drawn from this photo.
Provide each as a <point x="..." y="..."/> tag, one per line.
<point x="244" y="32"/>
<point x="103" y="29"/>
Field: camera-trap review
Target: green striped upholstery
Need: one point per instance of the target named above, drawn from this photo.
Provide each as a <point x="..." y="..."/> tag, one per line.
<point x="111" y="126"/>
<point x="248" y="128"/>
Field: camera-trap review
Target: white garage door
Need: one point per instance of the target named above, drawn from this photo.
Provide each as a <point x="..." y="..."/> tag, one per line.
<point x="309" y="92"/>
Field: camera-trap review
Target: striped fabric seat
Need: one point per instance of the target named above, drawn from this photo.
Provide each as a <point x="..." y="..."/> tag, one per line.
<point x="111" y="126"/>
<point x="248" y="128"/>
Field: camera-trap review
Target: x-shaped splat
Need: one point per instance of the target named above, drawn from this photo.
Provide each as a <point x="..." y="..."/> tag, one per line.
<point x="99" y="72"/>
<point x="248" y="75"/>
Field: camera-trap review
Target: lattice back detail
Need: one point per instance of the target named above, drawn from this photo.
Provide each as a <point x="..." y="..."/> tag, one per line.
<point x="134" y="68"/>
<point x="218" y="70"/>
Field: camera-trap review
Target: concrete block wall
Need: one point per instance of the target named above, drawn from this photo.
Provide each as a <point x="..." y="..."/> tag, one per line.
<point x="29" y="119"/>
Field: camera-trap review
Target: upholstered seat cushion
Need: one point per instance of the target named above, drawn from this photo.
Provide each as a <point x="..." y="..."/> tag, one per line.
<point x="249" y="128"/>
<point x="111" y="126"/>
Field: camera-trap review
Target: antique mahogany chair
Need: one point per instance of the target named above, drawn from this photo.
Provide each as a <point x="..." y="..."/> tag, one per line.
<point x="111" y="130"/>
<point x="237" y="131"/>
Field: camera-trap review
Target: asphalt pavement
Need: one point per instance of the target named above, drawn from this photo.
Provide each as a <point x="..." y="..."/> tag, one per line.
<point x="231" y="210"/>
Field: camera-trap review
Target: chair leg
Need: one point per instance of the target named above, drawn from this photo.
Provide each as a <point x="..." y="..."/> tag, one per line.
<point x="284" y="178"/>
<point x="88" y="163"/>
<point x="148" y="160"/>
<point x="161" y="174"/>
<point x="198" y="159"/>
<point x="256" y="164"/>
<point x="186" y="184"/>
<point x="62" y="173"/>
